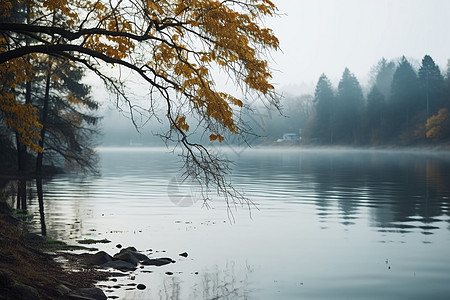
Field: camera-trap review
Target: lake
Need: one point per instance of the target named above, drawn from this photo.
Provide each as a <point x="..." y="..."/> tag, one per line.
<point x="329" y="224"/>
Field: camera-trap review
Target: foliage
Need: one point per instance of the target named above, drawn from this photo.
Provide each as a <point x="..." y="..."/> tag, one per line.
<point x="431" y="84"/>
<point x="21" y="117"/>
<point x="381" y="76"/>
<point x="438" y="126"/>
<point x="404" y="98"/>
<point x="66" y="111"/>
<point x="171" y="45"/>
<point x="396" y="111"/>
<point x="375" y="115"/>
<point x="321" y="121"/>
<point x="349" y="106"/>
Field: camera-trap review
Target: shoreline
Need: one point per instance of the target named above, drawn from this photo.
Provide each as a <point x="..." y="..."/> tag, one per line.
<point x="29" y="266"/>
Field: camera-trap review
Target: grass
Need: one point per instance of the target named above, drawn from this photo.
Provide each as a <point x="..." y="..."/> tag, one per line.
<point x="93" y="241"/>
<point x="19" y="214"/>
<point x="24" y="257"/>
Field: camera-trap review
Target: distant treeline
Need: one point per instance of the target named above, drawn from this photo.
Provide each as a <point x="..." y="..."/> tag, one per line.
<point x="403" y="106"/>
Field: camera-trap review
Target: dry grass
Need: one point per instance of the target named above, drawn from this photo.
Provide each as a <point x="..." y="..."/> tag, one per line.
<point x="25" y="261"/>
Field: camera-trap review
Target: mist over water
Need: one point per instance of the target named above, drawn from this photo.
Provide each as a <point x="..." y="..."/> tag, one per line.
<point x="329" y="224"/>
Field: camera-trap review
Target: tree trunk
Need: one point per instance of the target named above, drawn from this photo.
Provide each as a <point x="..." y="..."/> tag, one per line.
<point x="44" y="114"/>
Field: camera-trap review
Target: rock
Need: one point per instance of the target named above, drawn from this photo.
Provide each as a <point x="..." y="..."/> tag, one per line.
<point x="169" y="273"/>
<point x="87" y="294"/>
<point x="119" y="246"/>
<point x="136" y="254"/>
<point x="129" y="248"/>
<point x="139" y="256"/>
<point x="157" y="261"/>
<point x="62" y="290"/>
<point x="98" y="258"/>
<point x="184" y="254"/>
<point x="117" y="274"/>
<point x="127" y="256"/>
<point x="120" y="265"/>
<point x="141" y="286"/>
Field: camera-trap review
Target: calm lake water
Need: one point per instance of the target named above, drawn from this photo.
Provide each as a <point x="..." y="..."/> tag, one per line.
<point x="342" y="224"/>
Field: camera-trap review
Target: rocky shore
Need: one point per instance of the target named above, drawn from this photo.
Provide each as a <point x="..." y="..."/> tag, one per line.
<point x="33" y="267"/>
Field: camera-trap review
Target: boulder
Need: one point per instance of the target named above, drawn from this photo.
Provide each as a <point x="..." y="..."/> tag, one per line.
<point x="98" y="258"/>
<point x="87" y="294"/>
<point x="136" y="254"/>
<point x="120" y="265"/>
<point x="157" y="261"/>
<point x="127" y="256"/>
<point x="129" y="248"/>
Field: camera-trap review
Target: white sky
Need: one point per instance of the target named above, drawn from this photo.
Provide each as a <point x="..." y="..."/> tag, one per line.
<point x="325" y="36"/>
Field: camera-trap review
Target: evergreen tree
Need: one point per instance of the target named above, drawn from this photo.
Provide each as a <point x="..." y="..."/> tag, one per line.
<point x="65" y="109"/>
<point x="446" y="103"/>
<point x="321" y="127"/>
<point x="375" y="116"/>
<point x="431" y="83"/>
<point x="349" y="107"/>
<point x="404" y="100"/>
<point x="382" y="74"/>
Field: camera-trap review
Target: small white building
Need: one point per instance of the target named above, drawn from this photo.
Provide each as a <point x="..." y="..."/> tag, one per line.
<point x="288" y="137"/>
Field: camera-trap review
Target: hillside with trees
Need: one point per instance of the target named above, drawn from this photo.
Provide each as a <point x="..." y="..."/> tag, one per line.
<point x="404" y="106"/>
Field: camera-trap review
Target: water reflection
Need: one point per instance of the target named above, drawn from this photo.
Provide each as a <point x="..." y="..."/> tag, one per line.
<point x="232" y="281"/>
<point x="40" y="195"/>
<point x="399" y="190"/>
<point x="329" y="219"/>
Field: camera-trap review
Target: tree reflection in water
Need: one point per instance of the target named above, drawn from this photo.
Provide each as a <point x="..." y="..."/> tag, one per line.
<point x="215" y="283"/>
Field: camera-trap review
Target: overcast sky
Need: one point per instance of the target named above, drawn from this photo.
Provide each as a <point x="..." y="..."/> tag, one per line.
<point x="325" y="36"/>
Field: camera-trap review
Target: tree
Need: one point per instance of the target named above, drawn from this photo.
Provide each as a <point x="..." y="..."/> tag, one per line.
<point x="169" y="45"/>
<point x="438" y="126"/>
<point x="349" y="108"/>
<point x="404" y="101"/>
<point x="432" y="86"/>
<point x="375" y="115"/>
<point x="322" y="119"/>
<point x="65" y="110"/>
<point x="381" y="76"/>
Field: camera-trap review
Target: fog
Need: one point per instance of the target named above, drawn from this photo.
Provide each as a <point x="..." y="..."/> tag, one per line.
<point x="325" y="36"/>
<point x="322" y="36"/>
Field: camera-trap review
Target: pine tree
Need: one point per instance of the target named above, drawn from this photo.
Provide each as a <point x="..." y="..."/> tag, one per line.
<point x="382" y="74"/>
<point x="375" y="115"/>
<point x="321" y="127"/>
<point x="66" y="112"/>
<point x="431" y="83"/>
<point x="349" y="108"/>
<point x="404" y="101"/>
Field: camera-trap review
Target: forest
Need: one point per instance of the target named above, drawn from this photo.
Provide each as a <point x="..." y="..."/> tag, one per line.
<point x="403" y="106"/>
